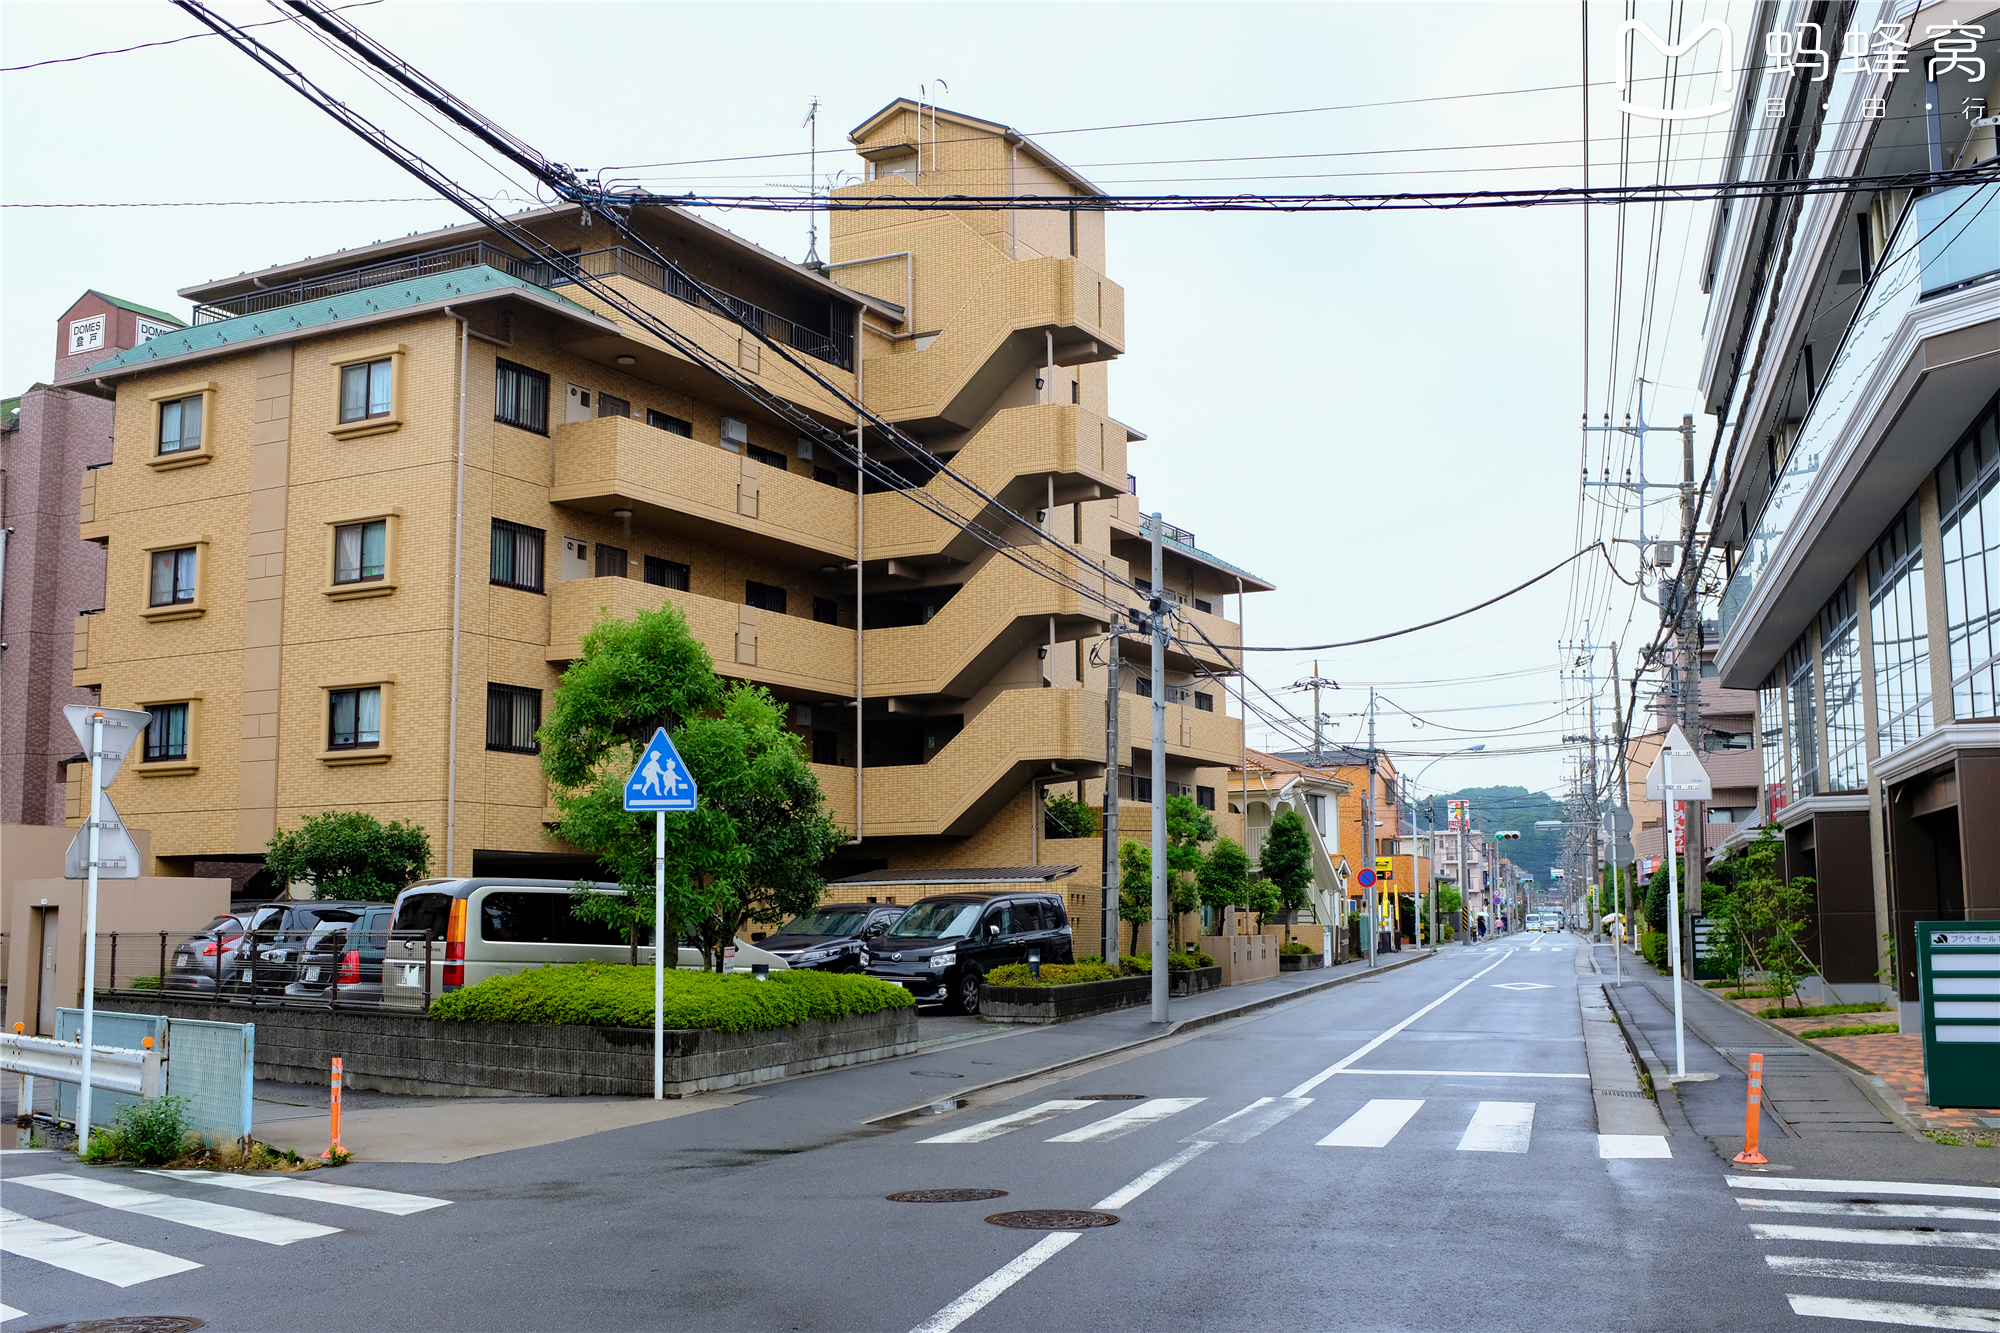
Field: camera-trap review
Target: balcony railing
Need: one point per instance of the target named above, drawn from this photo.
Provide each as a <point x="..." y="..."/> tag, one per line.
<point x="835" y="347"/>
<point x="1168" y="531"/>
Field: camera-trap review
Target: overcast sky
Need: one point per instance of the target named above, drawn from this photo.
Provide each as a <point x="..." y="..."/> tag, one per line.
<point x="1377" y="412"/>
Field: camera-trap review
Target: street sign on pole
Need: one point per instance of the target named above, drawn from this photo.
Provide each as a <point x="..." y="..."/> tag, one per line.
<point x="122" y="729"/>
<point x="117" y="855"/>
<point x="661" y="783"/>
<point x="1676" y="776"/>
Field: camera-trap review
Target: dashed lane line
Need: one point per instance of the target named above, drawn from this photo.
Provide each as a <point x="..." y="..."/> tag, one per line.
<point x="1341" y="1064"/>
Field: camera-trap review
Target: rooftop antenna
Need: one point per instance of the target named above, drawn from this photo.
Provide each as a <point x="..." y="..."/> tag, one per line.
<point x="924" y="99"/>
<point x="811" y="123"/>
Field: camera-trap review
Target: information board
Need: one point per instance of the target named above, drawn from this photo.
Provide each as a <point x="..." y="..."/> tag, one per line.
<point x="1958" y="977"/>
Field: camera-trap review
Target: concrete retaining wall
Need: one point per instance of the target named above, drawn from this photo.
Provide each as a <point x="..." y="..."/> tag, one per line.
<point x="388" y="1052"/>
<point x="1059" y="1004"/>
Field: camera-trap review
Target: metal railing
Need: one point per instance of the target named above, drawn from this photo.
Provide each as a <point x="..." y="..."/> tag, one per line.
<point x="1167" y="531"/>
<point x="835" y="347"/>
<point x="265" y="968"/>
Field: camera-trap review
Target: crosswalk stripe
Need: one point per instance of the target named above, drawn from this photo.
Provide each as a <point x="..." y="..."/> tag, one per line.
<point x="1373" y="1126"/>
<point x="1827" y="1207"/>
<point x="1499" y="1127"/>
<point x="1007" y="1124"/>
<point x="1810" y="1186"/>
<point x="1972" y="1240"/>
<point x="90" y="1256"/>
<point x="346" y="1196"/>
<point x="1251" y="1121"/>
<point x="1898" y="1312"/>
<point x="243" y="1223"/>
<point x="1611" y="1146"/>
<point x="1149" y="1112"/>
<point x="1864" y="1270"/>
<point x="9" y="1312"/>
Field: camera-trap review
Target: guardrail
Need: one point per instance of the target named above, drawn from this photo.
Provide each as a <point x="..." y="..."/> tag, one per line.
<point x="112" y="1068"/>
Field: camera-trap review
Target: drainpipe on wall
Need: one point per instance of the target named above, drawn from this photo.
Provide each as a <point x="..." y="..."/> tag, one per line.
<point x="457" y="605"/>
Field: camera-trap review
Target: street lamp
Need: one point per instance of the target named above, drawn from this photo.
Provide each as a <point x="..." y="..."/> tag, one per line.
<point x="1409" y="789"/>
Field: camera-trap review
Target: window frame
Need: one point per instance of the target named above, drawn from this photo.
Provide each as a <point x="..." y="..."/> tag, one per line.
<point x="359" y="589"/>
<point x="191" y="609"/>
<point x="367" y="371"/>
<point x="189" y="759"/>
<point x="380" y="750"/>
<point x="541" y="583"/>
<point x="669" y="423"/>
<point x="502" y="366"/>
<point x="380" y="423"/>
<point x="496" y="691"/>
<point x="768" y="588"/>
<point x="203" y="451"/>
<point x="666" y="568"/>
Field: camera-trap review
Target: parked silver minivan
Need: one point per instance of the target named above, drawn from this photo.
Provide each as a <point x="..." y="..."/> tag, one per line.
<point x="487" y="927"/>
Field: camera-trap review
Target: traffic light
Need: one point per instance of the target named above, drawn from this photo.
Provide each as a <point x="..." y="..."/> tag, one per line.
<point x="1508" y="835"/>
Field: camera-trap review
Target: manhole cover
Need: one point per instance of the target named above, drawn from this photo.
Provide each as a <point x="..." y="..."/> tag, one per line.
<point x="935" y="1073"/>
<point x="1053" y="1219"/>
<point x="945" y="1196"/>
<point x="129" y="1323"/>
<point x="1112" y="1097"/>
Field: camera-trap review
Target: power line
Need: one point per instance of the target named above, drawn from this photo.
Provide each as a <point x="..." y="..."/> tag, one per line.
<point x="171" y="41"/>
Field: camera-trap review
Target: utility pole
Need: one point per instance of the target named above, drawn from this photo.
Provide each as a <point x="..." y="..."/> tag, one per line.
<point x="1689" y="636"/>
<point x="1621" y="800"/>
<point x="1368" y="834"/>
<point x="1112" y="782"/>
<point x="1157" y="623"/>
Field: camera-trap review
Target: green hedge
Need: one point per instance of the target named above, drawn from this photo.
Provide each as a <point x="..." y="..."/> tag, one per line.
<point x="604" y="995"/>
<point x="1653" y="944"/>
<point x="1293" y="949"/>
<point x="1135" y="965"/>
<point x="1053" y="974"/>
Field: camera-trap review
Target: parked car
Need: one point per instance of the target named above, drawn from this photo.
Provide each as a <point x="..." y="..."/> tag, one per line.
<point x="342" y="960"/>
<point x="207" y="961"/>
<point x="942" y="947"/>
<point x="488" y="927"/>
<point x="830" y="938"/>
<point x="252" y="950"/>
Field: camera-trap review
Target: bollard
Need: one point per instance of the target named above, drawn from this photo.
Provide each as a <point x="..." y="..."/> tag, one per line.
<point x="334" y="1147"/>
<point x="1750" y="1156"/>
<point x="24" y="1111"/>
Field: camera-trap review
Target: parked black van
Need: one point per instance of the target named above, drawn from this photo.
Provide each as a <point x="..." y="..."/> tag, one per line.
<point x="941" y="949"/>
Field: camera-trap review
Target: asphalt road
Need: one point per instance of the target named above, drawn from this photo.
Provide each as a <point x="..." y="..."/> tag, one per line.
<point x="1417" y="1150"/>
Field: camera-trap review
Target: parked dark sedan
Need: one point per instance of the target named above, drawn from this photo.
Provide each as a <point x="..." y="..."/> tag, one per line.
<point x="343" y="959"/>
<point x="941" y="949"/>
<point x="830" y="938"/>
<point x="205" y="961"/>
<point x="257" y="954"/>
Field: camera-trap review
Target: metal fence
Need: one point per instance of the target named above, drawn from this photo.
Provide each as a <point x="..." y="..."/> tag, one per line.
<point x="317" y="969"/>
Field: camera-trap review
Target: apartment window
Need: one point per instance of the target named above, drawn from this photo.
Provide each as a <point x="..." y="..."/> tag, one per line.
<point x="611" y="561"/>
<point x="354" y="718"/>
<point x="1072" y="231"/>
<point x="1142" y="789"/>
<point x="1205" y="797"/>
<point x="1142" y="686"/>
<point x="1203" y="606"/>
<point x="1730" y="814"/>
<point x="666" y="573"/>
<point x="180" y="425"/>
<point x="826" y="747"/>
<point x="1316" y="807"/>
<point x="167" y="733"/>
<point x="173" y="581"/>
<point x="1204" y="703"/>
<point x="360" y="552"/>
<point x="1969" y="523"/>
<point x="764" y="597"/>
<point x="826" y="611"/>
<point x="826" y="476"/>
<point x="1076" y="391"/>
<point x="671" y="425"/>
<point x="768" y="457"/>
<point x="517" y="556"/>
<point x="607" y="406"/>
<point x="1802" y="718"/>
<point x="521" y="397"/>
<point x="1771" y="741"/>
<point x="1899" y="634"/>
<point x="366" y="390"/>
<point x="1840" y="680"/>
<point x="513" y="716"/>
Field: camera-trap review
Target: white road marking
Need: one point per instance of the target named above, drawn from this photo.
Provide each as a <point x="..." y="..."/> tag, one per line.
<point x="9" y="1312"/>
<point x="1460" y="1073"/>
<point x="1863" y="1270"/>
<point x="346" y="1196"/>
<point x="1251" y="1121"/>
<point x="1007" y="1124"/>
<point x="1373" y="1126"/>
<point x="243" y="1223"/>
<point x="1153" y="1177"/>
<point x="1825" y="1207"/>
<point x="1148" y="1112"/>
<point x="1633" y="1145"/>
<point x="1499" y="1127"/>
<point x="1863" y="1187"/>
<point x="983" y="1295"/>
<point x="90" y="1256"/>
<point x="1971" y="1240"/>
<point x="1347" y="1060"/>
<point x="1898" y="1312"/>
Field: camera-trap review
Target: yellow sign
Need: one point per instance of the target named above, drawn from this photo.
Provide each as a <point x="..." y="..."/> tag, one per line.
<point x="1385" y="867"/>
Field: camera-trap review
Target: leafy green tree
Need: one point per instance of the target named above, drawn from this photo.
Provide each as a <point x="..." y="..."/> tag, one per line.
<point x="350" y="854"/>
<point x="754" y="847"/>
<point x="1063" y="816"/>
<point x="1765" y="916"/>
<point x="1287" y="859"/>
<point x="1188" y="827"/>
<point x="1135" y="886"/>
<point x="1223" y="879"/>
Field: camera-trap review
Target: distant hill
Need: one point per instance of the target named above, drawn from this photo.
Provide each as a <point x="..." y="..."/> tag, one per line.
<point x="1509" y="808"/>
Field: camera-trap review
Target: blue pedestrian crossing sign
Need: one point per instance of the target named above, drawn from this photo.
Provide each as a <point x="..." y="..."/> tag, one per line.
<point x="661" y="781"/>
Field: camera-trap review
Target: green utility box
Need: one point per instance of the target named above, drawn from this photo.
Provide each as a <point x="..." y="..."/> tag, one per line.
<point x="1958" y="971"/>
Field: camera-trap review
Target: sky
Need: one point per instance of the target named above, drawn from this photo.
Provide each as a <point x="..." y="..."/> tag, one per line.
<point x="1378" y="412"/>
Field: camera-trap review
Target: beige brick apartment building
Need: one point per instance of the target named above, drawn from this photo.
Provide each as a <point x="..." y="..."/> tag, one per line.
<point x="367" y="492"/>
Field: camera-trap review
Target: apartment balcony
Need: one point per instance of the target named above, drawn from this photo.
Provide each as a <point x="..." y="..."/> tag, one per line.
<point x="672" y="482"/>
<point x="88" y="525"/>
<point x="1920" y="358"/>
<point x="1019" y="457"/>
<point x="1194" y="737"/>
<point x="83" y="674"/>
<point x="982" y="768"/>
<point x="992" y="330"/>
<point x="770" y="648"/>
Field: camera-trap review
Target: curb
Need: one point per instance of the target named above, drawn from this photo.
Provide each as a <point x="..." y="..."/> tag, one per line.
<point x="1171" y="1030"/>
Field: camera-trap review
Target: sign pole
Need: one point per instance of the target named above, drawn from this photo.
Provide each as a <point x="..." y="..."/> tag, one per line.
<point x="660" y="955"/>
<point x="1673" y="909"/>
<point x="90" y="928"/>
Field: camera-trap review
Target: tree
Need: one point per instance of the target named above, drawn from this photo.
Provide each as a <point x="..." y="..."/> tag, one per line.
<point x="350" y="854"/>
<point x="1066" y="817"/>
<point x="1135" y="887"/>
<point x="1188" y="826"/>
<point x="1223" y="879"/>
<point x="754" y="846"/>
<point x="1287" y="859"/>
<point x="1764" y="916"/>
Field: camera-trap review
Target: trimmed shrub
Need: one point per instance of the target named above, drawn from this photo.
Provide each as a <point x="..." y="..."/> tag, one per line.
<point x="1653" y="945"/>
<point x="605" y="995"/>
<point x="1053" y="974"/>
<point x="1141" y="964"/>
<point x="1293" y="949"/>
<point x="1862" y="1030"/>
